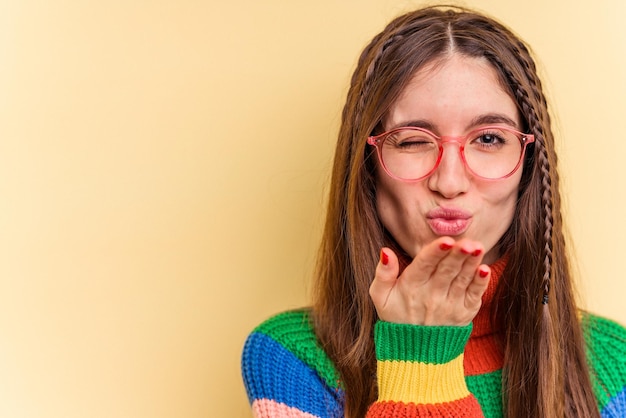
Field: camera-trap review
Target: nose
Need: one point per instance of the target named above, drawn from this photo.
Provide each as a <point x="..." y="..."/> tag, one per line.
<point x="450" y="179"/>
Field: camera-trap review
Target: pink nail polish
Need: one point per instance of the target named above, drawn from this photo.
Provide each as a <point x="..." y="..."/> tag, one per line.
<point x="384" y="258"/>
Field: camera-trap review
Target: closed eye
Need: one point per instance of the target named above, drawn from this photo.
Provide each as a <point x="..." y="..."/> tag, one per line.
<point x="411" y="142"/>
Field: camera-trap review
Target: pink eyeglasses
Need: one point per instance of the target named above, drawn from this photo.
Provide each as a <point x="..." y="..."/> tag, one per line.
<point x="489" y="152"/>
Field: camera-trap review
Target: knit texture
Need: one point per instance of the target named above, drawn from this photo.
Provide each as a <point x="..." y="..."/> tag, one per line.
<point x="286" y="373"/>
<point x="421" y="371"/>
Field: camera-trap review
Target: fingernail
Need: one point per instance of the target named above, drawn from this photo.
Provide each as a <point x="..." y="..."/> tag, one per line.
<point x="384" y="258"/>
<point x="477" y="253"/>
<point x="445" y="246"/>
<point x="483" y="273"/>
<point x="464" y="251"/>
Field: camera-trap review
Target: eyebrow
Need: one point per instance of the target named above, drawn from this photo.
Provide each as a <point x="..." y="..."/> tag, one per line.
<point x="486" y="119"/>
<point x="490" y="118"/>
<point x="417" y="123"/>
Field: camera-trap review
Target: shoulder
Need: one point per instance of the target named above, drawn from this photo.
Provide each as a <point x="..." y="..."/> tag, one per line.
<point x="292" y="333"/>
<point x="604" y="336"/>
<point x="282" y="360"/>
<point x="606" y="351"/>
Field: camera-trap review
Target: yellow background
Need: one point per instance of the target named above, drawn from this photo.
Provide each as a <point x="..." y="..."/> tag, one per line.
<point x="163" y="166"/>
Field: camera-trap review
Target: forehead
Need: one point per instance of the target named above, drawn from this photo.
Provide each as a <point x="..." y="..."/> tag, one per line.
<point x="450" y="92"/>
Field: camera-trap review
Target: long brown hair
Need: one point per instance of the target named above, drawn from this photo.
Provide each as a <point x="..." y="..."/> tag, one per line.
<point x="545" y="372"/>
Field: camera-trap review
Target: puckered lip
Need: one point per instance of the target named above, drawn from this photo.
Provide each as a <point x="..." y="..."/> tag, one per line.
<point x="448" y="213"/>
<point x="449" y="221"/>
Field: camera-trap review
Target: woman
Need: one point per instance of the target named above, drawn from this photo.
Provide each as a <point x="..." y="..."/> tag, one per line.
<point x="443" y="283"/>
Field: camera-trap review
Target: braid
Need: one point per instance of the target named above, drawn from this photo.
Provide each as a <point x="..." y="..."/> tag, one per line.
<point x="546" y="198"/>
<point x="538" y="125"/>
<point x="362" y="80"/>
<point x="543" y="157"/>
<point x="546" y="193"/>
<point x="544" y="162"/>
<point x="361" y="84"/>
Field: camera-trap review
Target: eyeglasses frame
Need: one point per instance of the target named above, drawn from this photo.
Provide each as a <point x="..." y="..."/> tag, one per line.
<point x="377" y="140"/>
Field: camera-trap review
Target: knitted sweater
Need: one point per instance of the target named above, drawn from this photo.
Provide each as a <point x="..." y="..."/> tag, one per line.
<point x="422" y="371"/>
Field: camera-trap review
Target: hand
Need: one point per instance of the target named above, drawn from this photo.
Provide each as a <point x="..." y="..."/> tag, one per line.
<point x="443" y="285"/>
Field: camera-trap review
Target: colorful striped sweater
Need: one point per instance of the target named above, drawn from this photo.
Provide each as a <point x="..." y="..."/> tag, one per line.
<point x="421" y="371"/>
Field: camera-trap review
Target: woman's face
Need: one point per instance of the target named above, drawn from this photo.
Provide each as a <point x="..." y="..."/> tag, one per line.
<point x="450" y="97"/>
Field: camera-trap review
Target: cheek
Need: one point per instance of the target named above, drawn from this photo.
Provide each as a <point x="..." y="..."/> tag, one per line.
<point x="386" y="202"/>
<point x="389" y="204"/>
<point x="393" y="196"/>
<point x="502" y="202"/>
<point x="399" y="208"/>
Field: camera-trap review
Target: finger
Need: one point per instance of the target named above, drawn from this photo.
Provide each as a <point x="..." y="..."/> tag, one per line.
<point x="427" y="260"/>
<point x="471" y="255"/>
<point x="478" y="286"/>
<point x="456" y="270"/>
<point x="384" y="279"/>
